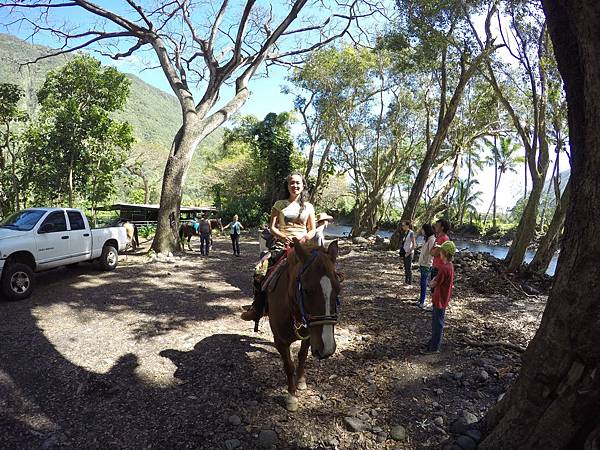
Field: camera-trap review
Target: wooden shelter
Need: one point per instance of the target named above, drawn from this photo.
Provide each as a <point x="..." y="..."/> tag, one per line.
<point x="148" y="214"/>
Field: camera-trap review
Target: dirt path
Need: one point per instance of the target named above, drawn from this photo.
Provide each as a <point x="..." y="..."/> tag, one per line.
<point x="153" y="355"/>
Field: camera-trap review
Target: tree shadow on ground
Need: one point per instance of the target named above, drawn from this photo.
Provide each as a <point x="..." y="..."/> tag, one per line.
<point x="47" y="400"/>
<point x="71" y="407"/>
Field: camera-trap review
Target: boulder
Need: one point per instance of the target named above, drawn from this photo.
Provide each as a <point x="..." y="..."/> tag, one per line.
<point x="267" y="438"/>
<point x="355" y="425"/>
<point x="398" y="433"/>
<point x="474" y="434"/>
<point x="470" y="418"/>
<point x="234" y="420"/>
<point x="231" y="444"/>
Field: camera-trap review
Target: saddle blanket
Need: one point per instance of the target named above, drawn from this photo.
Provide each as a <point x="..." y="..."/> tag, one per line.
<point x="268" y="284"/>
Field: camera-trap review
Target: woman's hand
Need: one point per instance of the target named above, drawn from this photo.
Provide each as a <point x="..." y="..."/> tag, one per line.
<point x="286" y="240"/>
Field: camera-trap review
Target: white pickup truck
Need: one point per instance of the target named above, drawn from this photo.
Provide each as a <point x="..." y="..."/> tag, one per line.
<point x="38" y="239"/>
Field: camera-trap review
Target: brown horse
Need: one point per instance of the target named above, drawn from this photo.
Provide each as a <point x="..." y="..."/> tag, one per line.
<point x="187" y="230"/>
<point x="303" y="306"/>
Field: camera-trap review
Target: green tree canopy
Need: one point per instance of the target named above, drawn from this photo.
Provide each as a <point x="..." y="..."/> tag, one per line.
<point x="77" y="146"/>
<point x="11" y="190"/>
<point x="249" y="174"/>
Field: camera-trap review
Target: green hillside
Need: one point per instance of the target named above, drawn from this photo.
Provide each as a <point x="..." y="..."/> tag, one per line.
<point x="155" y="115"/>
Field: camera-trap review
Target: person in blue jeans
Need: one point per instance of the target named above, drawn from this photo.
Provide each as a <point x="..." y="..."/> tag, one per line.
<point x="204" y="230"/>
<point x="441" y="288"/>
<point x="235" y="228"/>
<point x="425" y="260"/>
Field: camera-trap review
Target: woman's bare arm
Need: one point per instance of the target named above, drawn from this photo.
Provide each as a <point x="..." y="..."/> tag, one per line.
<point x="310" y="226"/>
<point x="274" y="230"/>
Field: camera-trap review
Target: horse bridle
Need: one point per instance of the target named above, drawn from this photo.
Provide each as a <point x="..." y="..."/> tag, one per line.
<point x="309" y="320"/>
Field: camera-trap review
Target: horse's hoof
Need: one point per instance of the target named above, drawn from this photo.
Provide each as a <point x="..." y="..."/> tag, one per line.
<point x="291" y="403"/>
<point x="301" y="386"/>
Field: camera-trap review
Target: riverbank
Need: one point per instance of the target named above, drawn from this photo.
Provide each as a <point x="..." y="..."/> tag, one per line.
<point x="344" y="230"/>
<point x="464" y="242"/>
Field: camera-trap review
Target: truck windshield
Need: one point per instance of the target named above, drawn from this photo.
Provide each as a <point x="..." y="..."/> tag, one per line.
<point x="23" y="220"/>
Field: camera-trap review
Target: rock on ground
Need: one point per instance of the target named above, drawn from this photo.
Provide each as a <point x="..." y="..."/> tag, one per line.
<point x="398" y="433"/>
<point x="267" y="438"/>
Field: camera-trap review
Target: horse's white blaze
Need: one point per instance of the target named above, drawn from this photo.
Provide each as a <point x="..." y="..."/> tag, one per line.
<point x="327" y="333"/>
<point x="326" y="286"/>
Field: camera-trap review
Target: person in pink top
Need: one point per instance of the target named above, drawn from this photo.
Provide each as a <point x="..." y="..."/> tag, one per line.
<point x="440" y="228"/>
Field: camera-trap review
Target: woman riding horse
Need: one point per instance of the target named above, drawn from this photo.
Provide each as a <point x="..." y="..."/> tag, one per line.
<point x="292" y="217"/>
<point x="303" y="300"/>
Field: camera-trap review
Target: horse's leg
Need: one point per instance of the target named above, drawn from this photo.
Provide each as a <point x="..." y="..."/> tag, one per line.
<point x="291" y="402"/>
<point x="300" y="376"/>
<point x="190" y="243"/>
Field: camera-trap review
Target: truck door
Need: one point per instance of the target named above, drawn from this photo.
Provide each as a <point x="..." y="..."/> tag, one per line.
<point x="52" y="240"/>
<point x="80" y="237"/>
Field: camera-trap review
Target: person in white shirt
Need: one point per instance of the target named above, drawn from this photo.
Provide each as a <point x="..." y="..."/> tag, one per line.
<point x="292" y="217"/>
<point x="323" y="220"/>
<point x="425" y="260"/>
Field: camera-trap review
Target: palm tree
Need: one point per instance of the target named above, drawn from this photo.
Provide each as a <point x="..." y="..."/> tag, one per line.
<point x="467" y="198"/>
<point x="504" y="159"/>
<point x="474" y="162"/>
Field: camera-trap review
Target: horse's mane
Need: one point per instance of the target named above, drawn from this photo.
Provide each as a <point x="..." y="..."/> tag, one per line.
<point x="295" y="264"/>
<point x="310" y="247"/>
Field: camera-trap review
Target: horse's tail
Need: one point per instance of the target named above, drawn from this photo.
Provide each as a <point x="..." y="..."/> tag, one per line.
<point x="181" y="228"/>
<point x="135" y="235"/>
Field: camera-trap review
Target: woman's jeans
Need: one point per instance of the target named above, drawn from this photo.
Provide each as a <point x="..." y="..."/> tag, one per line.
<point x="424" y="279"/>
<point x="235" y="243"/>
<point x="408" y="269"/>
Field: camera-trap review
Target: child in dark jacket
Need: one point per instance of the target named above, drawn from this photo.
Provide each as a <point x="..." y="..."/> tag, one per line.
<point x="441" y="288"/>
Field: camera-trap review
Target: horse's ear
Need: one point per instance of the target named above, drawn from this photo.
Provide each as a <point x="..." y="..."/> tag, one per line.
<point x="333" y="250"/>
<point x="300" y="250"/>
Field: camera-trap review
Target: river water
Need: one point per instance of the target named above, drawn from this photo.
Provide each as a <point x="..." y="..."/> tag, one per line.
<point x="499" y="251"/>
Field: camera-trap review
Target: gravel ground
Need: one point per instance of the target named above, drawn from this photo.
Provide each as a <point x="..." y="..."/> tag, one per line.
<point x="153" y="355"/>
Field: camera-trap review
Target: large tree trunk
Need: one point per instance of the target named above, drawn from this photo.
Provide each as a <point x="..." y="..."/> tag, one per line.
<point x="538" y="162"/>
<point x="196" y="127"/>
<point x="526" y="228"/>
<point x="321" y="175"/>
<point x="167" y="230"/>
<point x="366" y="220"/>
<point x="439" y="203"/>
<point x="549" y="243"/>
<point x="555" y="403"/>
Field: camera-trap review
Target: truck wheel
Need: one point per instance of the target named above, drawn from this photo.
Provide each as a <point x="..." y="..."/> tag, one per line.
<point x="17" y="281"/>
<point x="109" y="258"/>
